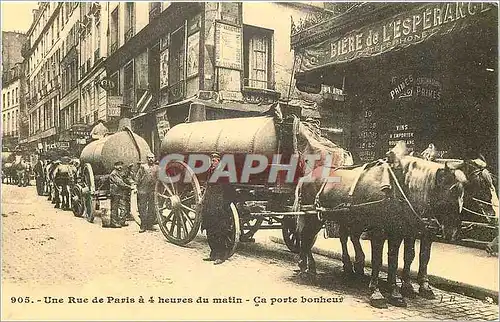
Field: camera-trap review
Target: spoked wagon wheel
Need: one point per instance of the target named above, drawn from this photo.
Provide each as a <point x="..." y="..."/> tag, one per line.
<point x="77" y="201"/>
<point x="289" y="233"/>
<point x="234" y="231"/>
<point x="134" y="208"/>
<point x="88" y="197"/>
<point x="176" y="203"/>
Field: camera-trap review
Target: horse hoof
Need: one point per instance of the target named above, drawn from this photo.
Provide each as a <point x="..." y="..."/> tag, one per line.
<point x="426" y="293"/>
<point x="408" y="291"/>
<point x="398" y="301"/>
<point x="379" y="303"/>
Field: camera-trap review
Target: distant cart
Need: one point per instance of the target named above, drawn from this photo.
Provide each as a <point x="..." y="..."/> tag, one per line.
<point x="96" y="163"/>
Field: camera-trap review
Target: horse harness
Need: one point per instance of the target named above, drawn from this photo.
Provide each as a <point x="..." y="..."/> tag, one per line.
<point x="428" y="224"/>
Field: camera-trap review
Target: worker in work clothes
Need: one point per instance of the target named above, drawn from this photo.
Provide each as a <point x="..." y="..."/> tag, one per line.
<point x="119" y="191"/>
<point x="128" y="178"/>
<point x="146" y="181"/>
<point x="216" y="216"/>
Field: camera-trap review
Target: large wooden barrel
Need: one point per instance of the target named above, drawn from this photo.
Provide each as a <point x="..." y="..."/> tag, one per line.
<point x="253" y="135"/>
<point x="123" y="146"/>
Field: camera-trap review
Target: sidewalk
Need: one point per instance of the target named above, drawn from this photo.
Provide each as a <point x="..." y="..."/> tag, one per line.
<point x="456" y="268"/>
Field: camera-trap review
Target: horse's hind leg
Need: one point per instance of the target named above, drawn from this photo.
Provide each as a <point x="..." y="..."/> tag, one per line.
<point x="307" y="229"/>
<point x="376" y="298"/>
<point x="395" y="298"/>
<point x="409" y="254"/>
<point x="346" y="259"/>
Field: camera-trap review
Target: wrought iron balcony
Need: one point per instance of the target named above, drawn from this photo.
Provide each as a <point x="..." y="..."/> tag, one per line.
<point x="97" y="55"/>
<point x="129" y="34"/>
<point x="113" y="47"/>
<point x="155" y="10"/>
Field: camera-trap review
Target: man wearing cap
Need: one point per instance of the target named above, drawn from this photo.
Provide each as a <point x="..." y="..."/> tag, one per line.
<point x="216" y="216"/>
<point x="146" y="180"/>
<point x="119" y="190"/>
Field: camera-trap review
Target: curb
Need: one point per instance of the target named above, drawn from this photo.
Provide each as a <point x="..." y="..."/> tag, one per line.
<point x="436" y="281"/>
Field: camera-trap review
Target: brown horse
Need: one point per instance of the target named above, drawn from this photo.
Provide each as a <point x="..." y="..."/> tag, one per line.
<point x="369" y="197"/>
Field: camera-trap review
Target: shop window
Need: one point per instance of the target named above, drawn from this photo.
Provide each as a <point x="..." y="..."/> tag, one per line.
<point x="258" y="57"/>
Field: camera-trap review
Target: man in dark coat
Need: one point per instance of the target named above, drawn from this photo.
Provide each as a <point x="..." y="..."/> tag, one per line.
<point x="146" y="179"/>
<point x="216" y="216"/>
<point x="119" y="190"/>
<point x="38" y="169"/>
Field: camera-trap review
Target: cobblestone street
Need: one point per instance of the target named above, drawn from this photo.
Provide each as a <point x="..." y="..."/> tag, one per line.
<point x="50" y="253"/>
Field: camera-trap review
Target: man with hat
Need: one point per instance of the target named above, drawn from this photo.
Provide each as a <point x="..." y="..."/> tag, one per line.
<point x="146" y="180"/>
<point x="216" y="214"/>
<point x="119" y="190"/>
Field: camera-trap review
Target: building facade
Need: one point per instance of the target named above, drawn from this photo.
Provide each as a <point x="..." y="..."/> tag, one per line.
<point x="11" y="93"/>
<point x="422" y="72"/>
<point x="232" y="58"/>
<point x="149" y="61"/>
<point x="12" y="86"/>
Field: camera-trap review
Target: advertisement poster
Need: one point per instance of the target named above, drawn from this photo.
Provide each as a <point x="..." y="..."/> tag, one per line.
<point x="164" y="68"/>
<point x="193" y="54"/>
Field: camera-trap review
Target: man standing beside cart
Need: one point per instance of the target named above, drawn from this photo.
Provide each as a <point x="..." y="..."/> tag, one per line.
<point x="146" y="180"/>
<point x="215" y="215"/>
<point x="119" y="191"/>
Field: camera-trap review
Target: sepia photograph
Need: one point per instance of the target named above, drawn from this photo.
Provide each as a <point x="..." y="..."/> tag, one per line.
<point x="250" y="161"/>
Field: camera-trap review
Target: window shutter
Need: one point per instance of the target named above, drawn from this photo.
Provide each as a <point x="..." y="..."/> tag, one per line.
<point x="258" y="58"/>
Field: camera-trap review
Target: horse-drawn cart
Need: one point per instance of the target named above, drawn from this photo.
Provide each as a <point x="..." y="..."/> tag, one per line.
<point x="97" y="160"/>
<point x="258" y="203"/>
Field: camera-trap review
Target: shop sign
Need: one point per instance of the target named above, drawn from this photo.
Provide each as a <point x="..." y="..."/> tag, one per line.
<point x="81" y="141"/>
<point x="107" y="84"/>
<point x="63" y="145"/>
<point x="402" y="132"/>
<point x="306" y="87"/>
<point x="114" y="105"/>
<point x="164" y="69"/>
<point x="193" y="54"/>
<point x="398" y="32"/>
<point x="162" y="124"/>
<point x="415" y="87"/>
<point x="228" y="46"/>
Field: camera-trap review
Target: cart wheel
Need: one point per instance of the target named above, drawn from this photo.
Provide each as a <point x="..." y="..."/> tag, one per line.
<point x="235" y="230"/>
<point x="89" y="200"/>
<point x="176" y="204"/>
<point x="77" y="201"/>
<point x="134" y="209"/>
<point x="290" y="234"/>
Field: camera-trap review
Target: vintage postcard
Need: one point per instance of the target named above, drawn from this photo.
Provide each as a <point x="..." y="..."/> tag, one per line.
<point x="228" y="161"/>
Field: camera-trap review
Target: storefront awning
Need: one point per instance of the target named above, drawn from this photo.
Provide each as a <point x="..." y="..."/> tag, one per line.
<point x="401" y="30"/>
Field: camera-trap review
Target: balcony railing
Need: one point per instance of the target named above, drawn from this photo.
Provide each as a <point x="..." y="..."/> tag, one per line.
<point x="113" y="47"/>
<point x="155" y="11"/>
<point x="97" y="55"/>
<point x="129" y="34"/>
